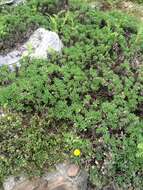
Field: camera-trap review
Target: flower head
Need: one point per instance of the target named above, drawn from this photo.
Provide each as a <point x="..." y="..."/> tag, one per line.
<point x="77" y="152"/>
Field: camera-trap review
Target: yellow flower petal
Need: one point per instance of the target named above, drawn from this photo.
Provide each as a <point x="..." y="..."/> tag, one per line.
<point x="77" y="152"/>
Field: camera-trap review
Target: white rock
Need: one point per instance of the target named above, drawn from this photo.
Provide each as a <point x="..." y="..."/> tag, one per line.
<point x="9" y="183"/>
<point x="12" y="181"/>
<point x="41" y="43"/>
<point x="11" y="2"/>
<point x="11" y="58"/>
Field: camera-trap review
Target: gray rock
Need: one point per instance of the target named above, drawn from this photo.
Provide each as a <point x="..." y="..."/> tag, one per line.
<point x="9" y="183"/>
<point x="12" y="181"/>
<point x="11" y="2"/>
<point x="10" y="59"/>
<point x="60" y="178"/>
<point x="40" y="45"/>
<point x="57" y="180"/>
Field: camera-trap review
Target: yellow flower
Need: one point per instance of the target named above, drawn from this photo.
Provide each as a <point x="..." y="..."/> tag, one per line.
<point x="77" y="152"/>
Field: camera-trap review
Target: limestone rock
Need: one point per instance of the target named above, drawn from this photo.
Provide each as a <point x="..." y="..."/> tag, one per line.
<point x="42" y="42"/>
<point x="28" y="185"/>
<point x="73" y="170"/>
<point x="11" y="2"/>
<point x="33" y="184"/>
<point x="10" y="59"/>
<point x="40" y="45"/>
<point x="24" y="183"/>
<point x="58" y="180"/>
<point x="12" y="181"/>
<point x="9" y="183"/>
<point x="61" y="179"/>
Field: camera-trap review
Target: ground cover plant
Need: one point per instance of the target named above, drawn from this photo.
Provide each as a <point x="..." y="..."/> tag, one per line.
<point x="89" y="97"/>
<point x="17" y="23"/>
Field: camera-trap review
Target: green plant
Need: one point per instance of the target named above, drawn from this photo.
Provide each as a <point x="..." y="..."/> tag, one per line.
<point x="88" y="98"/>
<point x="20" y="21"/>
<point x="140" y="150"/>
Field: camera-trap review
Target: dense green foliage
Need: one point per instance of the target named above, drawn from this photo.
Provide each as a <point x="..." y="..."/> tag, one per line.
<point x="17" y="23"/>
<point x="89" y="97"/>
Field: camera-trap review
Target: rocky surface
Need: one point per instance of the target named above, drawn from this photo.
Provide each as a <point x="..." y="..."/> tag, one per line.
<point x="65" y="177"/>
<point x="11" y="2"/>
<point x="40" y="45"/>
<point x="12" y="181"/>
